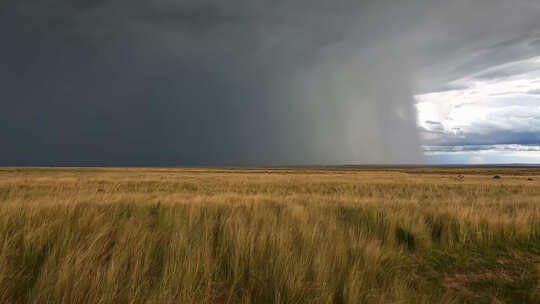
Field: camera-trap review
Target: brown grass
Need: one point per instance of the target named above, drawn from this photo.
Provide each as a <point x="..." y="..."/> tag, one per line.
<point x="284" y="235"/>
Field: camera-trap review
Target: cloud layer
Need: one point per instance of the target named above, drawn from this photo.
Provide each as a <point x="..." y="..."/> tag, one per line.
<point x="496" y="106"/>
<point x="210" y="82"/>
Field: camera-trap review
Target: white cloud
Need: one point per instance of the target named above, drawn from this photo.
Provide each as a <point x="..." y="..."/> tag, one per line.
<point x="496" y="104"/>
<point x="476" y="159"/>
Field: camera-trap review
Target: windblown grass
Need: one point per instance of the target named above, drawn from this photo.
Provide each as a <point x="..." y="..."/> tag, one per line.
<point x="269" y="236"/>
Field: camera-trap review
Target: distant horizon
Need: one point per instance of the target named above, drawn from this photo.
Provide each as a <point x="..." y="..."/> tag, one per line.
<point x="277" y="166"/>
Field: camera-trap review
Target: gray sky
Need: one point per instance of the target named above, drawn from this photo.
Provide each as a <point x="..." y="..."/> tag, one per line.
<point x="260" y="82"/>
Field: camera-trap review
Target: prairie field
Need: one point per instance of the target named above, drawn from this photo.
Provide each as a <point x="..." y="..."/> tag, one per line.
<point x="269" y="235"/>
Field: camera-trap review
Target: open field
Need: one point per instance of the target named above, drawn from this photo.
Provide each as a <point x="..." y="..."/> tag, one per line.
<point x="295" y="235"/>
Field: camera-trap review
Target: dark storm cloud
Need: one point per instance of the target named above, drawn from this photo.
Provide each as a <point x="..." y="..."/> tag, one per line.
<point x="478" y="35"/>
<point x="492" y="137"/>
<point x="505" y="72"/>
<point x="236" y="82"/>
<point x="535" y="43"/>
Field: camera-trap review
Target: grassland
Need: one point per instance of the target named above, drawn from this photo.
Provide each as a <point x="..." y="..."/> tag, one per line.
<point x="417" y="235"/>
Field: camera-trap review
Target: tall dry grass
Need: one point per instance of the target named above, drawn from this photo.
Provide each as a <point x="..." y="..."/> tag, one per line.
<point x="268" y="236"/>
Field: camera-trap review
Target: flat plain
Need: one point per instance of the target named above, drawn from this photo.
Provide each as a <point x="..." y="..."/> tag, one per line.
<point x="270" y="235"/>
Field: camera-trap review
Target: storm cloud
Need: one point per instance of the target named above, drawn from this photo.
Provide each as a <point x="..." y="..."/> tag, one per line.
<point x="207" y="82"/>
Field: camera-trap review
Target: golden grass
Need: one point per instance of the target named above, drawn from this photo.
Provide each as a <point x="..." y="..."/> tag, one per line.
<point x="304" y="235"/>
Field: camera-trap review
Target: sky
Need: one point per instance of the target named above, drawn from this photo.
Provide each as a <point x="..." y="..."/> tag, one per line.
<point x="261" y="82"/>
